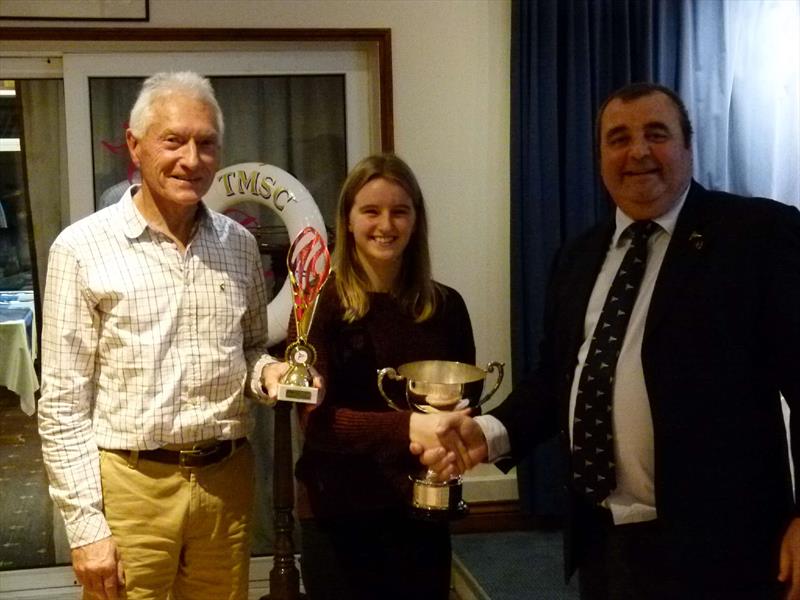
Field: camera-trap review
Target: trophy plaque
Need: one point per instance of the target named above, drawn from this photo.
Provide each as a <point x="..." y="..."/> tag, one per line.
<point x="434" y="386"/>
<point x="309" y="264"/>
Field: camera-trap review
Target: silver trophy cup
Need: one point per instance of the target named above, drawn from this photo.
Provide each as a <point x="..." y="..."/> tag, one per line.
<point x="439" y="386"/>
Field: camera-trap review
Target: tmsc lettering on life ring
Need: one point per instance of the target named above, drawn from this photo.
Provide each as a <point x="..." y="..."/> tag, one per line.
<point x="276" y="189"/>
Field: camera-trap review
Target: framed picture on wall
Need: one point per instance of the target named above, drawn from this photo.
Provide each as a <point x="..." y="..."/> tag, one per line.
<point x="86" y="10"/>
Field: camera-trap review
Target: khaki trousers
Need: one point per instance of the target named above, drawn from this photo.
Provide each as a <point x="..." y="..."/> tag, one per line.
<point x="182" y="534"/>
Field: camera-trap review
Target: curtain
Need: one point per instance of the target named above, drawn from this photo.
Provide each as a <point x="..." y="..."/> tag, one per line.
<point x="566" y="56"/>
<point x="295" y="122"/>
<point x="734" y="63"/>
<point x="740" y="78"/>
<point x="45" y="142"/>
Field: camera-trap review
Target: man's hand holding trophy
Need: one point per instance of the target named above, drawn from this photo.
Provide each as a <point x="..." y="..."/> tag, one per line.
<point x="308" y="263"/>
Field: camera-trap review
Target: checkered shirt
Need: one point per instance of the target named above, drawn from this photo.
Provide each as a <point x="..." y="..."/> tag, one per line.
<point x="144" y="346"/>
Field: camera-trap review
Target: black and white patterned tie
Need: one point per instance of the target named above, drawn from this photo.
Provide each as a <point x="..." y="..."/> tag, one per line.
<point x="592" y="437"/>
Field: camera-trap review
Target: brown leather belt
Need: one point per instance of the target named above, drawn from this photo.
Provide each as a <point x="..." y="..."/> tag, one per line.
<point x="201" y="455"/>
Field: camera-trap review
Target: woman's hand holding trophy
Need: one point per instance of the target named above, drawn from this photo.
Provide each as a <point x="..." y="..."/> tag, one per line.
<point x="441" y="430"/>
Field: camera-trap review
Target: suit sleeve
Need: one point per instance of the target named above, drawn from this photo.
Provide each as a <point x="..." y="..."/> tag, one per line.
<point x="530" y="412"/>
<point x="783" y="313"/>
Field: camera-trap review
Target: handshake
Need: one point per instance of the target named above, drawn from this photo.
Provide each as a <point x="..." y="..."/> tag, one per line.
<point x="448" y="444"/>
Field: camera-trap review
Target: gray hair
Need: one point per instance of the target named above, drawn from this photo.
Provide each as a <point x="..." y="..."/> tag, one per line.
<point x="161" y="85"/>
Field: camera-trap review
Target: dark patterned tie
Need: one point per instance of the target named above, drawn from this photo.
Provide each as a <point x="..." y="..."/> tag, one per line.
<point x="592" y="437"/>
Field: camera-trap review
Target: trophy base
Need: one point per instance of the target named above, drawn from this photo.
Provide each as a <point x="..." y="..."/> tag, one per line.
<point x="438" y="500"/>
<point x="297" y="393"/>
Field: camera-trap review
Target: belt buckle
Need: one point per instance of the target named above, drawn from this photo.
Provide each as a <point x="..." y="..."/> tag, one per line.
<point x="185" y="457"/>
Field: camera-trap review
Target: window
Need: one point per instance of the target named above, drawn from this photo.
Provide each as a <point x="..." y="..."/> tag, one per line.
<point x="90" y="82"/>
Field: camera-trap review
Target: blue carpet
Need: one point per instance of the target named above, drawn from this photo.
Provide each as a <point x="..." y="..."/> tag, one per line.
<point x="26" y="537"/>
<point x="516" y="565"/>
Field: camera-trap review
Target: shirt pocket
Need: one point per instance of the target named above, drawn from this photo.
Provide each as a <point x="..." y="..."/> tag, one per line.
<point x="221" y="303"/>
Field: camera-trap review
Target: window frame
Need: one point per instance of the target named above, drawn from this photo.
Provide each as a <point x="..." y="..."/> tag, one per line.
<point x="43" y="49"/>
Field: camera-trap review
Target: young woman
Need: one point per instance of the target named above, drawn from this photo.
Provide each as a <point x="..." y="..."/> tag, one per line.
<point x="379" y="309"/>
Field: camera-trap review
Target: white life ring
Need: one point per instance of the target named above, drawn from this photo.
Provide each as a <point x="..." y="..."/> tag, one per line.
<point x="288" y="198"/>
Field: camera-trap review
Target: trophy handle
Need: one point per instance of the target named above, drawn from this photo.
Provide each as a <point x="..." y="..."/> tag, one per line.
<point x="392" y="374"/>
<point x="490" y="368"/>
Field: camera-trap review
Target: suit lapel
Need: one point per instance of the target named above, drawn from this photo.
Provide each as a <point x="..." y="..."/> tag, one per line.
<point x="584" y="264"/>
<point x="684" y="254"/>
<point x="589" y="258"/>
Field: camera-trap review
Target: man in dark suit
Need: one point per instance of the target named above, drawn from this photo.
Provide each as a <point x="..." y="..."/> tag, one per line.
<point x="701" y="499"/>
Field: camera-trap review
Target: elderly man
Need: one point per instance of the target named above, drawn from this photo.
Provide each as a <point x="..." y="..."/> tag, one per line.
<point x="670" y="333"/>
<point x="155" y="326"/>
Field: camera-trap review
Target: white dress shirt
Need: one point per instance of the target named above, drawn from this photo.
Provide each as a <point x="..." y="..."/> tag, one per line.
<point x="633" y="500"/>
<point x="144" y="346"/>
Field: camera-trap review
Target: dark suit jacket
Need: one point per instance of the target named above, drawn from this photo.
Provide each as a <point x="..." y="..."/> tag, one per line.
<point x="721" y="342"/>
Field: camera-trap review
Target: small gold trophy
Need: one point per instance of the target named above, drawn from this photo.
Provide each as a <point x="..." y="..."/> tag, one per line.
<point x="440" y="386"/>
<point x="309" y="264"/>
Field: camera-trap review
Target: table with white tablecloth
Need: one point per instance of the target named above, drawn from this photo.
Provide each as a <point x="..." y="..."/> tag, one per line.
<point x="18" y="348"/>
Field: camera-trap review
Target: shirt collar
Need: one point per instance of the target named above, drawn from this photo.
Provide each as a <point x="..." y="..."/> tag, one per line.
<point x="135" y="223"/>
<point x="666" y="221"/>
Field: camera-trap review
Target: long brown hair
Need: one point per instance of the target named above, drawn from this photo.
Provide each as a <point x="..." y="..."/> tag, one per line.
<point x="415" y="290"/>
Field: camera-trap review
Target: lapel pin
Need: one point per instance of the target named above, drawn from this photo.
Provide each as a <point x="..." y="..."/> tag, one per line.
<point x="696" y="239"/>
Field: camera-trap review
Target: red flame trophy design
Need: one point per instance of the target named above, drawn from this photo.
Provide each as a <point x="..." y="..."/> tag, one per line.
<point x="309" y="264"/>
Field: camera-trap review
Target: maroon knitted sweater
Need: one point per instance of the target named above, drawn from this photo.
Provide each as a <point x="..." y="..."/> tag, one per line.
<point x="355" y="456"/>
